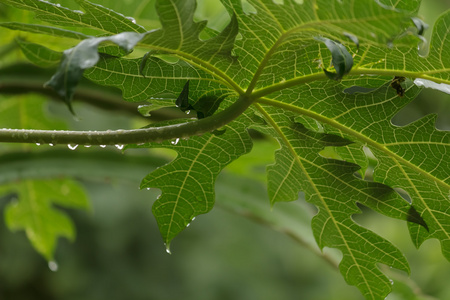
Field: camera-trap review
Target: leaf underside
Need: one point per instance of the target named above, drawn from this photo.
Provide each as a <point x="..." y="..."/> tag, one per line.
<point x="276" y="56"/>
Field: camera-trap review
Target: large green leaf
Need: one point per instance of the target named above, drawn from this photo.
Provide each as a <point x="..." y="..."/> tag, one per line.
<point x="187" y="183"/>
<point x="271" y="54"/>
<point x="333" y="188"/>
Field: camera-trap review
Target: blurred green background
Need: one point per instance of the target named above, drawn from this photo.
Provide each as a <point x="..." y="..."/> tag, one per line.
<point x="230" y="253"/>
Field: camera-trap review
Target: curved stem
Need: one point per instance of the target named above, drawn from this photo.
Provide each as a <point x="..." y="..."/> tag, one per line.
<point x="123" y="137"/>
<point x="355" y="71"/>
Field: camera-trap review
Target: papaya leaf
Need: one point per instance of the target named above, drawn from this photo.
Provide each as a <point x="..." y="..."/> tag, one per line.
<point x="187" y="183"/>
<point x="331" y="186"/>
<point x="270" y="56"/>
<point x="40" y="55"/>
<point x="342" y="60"/>
<point x="33" y="211"/>
<point x="41" y="29"/>
<point x="182" y="101"/>
<point x="96" y="16"/>
<point x="81" y="57"/>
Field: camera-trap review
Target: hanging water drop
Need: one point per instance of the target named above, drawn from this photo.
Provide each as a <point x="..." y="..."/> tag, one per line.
<point x="193" y="219"/>
<point x="175" y="142"/>
<point x="38" y="144"/>
<point x="167" y="248"/>
<point x="53" y="266"/>
<point x="102" y="146"/>
<point x="50" y="144"/>
<point x="72" y="147"/>
<point x="188" y="224"/>
<point x="87" y="146"/>
<point x="120" y="147"/>
<point x="391" y="281"/>
<point x="148" y="189"/>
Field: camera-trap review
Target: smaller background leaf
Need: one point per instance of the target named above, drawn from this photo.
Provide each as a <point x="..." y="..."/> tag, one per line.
<point x="33" y="212"/>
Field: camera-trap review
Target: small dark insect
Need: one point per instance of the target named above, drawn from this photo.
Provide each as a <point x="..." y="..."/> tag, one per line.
<point x="396" y="84"/>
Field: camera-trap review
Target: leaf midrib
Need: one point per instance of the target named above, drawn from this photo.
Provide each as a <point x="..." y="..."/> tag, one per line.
<point x="317" y="192"/>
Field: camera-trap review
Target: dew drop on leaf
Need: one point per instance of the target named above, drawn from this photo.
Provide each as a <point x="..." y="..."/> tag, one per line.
<point x="53" y="266"/>
<point x="87" y="146"/>
<point x="131" y="19"/>
<point x="102" y="146"/>
<point x="175" y="141"/>
<point x="72" y="147"/>
<point x="51" y="145"/>
<point x="38" y="144"/>
<point x="120" y="147"/>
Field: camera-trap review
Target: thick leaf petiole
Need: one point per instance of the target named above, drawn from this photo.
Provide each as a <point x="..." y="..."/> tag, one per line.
<point x="134" y="136"/>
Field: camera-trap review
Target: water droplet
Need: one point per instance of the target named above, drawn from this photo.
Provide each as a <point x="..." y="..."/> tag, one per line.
<point x="50" y="144"/>
<point x="38" y="144"/>
<point x="131" y="19"/>
<point x="391" y="281"/>
<point x="120" y="147"/>
<point x="102" y="146"/>
<point x="175" y="141"/>
<point x="53" y="266"/>
<point x="167" y="248"/>
<point x="148" y="189"/>
<point x="188" y="112"/>
<point x="58" y="5"/>
<point x="188" y="224"/>
<point x="72" y="147"/>
<point x="193" y="219"/>
<point x="87" y="146"/>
